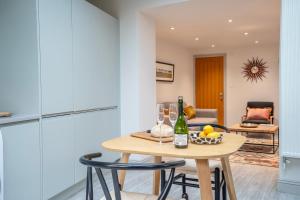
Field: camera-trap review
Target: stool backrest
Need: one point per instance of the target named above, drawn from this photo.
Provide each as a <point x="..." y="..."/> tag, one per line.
<point x="115" y="166"/>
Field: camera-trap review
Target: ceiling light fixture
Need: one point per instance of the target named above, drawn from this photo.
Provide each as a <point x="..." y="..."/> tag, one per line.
<point x="229" y="20"/>
<point x="213" y="46"/>
<point x="172" y="28"/>
<point x="246" y="33"/>
<point x="256" y="42"/>
<point x="196" y="38"/>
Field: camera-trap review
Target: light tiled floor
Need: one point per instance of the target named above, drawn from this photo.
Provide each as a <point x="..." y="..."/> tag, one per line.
<point x="251" y="182"/>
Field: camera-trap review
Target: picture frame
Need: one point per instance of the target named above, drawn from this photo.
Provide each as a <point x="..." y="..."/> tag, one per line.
<point x="165" y="72"/>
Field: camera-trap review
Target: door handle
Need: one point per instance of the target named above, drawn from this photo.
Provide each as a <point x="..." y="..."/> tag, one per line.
<point x="221" y="95"/>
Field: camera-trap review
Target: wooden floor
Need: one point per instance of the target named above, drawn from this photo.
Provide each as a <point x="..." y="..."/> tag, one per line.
<point x="252" y="183"/>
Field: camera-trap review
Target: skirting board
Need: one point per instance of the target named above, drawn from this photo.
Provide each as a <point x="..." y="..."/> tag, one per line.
<point x="290" y="187"/>
<point x="70" y="191"/>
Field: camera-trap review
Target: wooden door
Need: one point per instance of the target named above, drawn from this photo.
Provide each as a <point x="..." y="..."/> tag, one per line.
<point x="209" y="84"/>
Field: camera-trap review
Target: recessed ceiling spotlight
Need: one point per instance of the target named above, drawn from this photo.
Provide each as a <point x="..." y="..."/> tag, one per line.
<point x="246" y="33"/>
<point x="256" y="41"/>
<point x="229" y="20"/>
<point x="213" y="46"/>
<point x="196" y="38"/>
<point x="172" y="28"/>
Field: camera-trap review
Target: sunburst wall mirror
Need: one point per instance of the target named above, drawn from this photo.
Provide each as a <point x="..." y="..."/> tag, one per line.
<point x="254" y="69"/>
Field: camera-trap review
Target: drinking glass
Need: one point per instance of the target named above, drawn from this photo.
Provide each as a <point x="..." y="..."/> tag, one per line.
<point x="173" y="114"/>
<point x="160" y="118"/>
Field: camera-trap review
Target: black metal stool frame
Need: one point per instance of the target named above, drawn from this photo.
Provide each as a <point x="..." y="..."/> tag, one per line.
<point x="115" y="166"/>
<point x="218" y="182"/>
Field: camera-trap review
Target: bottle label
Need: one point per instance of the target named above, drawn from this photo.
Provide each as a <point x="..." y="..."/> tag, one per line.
<point x="180" y="139"/>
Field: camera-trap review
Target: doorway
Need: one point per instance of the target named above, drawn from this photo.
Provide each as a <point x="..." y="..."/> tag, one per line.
<point x="209" y="84"/>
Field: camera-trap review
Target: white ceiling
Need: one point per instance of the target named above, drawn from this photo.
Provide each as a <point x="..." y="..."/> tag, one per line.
<point x="208" y="20"/>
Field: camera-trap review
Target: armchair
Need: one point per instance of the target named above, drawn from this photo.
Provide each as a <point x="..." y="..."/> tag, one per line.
<point x="259" y="104"/>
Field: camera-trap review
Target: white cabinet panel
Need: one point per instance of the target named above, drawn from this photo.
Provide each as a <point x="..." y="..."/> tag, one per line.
<point x="56" y="55"/>
<point x="19" y="69"/>
<point x="22" y="166"/>
<point x="91" y="129"/>
<point x="96" y="57"/>
<point x="58" y="154"/>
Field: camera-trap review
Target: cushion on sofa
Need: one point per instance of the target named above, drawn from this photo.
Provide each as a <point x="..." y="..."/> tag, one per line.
<point x="203" y="120"/>
<point x="190" y="112"/>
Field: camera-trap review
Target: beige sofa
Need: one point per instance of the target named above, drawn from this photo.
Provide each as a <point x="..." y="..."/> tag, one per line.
<point x="205" y="116"/>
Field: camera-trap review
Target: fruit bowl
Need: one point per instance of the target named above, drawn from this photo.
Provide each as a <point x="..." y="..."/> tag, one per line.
<point x="194" y="138"/>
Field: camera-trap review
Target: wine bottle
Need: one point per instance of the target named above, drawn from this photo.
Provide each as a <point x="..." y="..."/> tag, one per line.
<point x="181" y="130"/>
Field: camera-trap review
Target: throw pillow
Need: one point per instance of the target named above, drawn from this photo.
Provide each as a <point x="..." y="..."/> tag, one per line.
<point x="190" y="112"/>
<point x="166" y="111"/>
<point x="258" y="113"/>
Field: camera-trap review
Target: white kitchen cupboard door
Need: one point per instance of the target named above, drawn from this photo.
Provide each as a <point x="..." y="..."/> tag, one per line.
<point x="96" y="57"/>
<point x="55" y="21"/>
<point x="58" y="154"/>
<point x="19" y="69"/>
<point x="91" y="129"/>
<point x="22" y="166"/>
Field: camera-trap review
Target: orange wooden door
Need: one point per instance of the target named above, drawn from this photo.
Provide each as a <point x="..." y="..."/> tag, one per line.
<point x="209" y="84"/>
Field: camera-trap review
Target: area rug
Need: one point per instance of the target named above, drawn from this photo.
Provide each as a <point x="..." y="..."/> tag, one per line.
<point x="252" y="158"/>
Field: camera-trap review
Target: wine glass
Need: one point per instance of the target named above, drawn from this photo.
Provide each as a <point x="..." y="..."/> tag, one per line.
<point x="160" y="118"/>
<point x="173" y="114"/>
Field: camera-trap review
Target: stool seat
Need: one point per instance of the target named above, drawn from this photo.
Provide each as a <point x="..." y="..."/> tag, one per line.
<point x="190" y="166"/>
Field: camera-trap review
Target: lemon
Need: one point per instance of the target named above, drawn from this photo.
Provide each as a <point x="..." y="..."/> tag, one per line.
<point x="202" y="134"/>
<point x="213" y="135"/>
<point x="208" y="129"/>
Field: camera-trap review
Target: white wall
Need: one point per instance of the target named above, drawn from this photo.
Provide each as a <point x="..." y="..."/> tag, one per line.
<point x="146" y="64"/>
<point x="137" y="62"/>
<point x="237" y="90"/>
<point x="289" y="180"/>
<point x="183" y="84"/>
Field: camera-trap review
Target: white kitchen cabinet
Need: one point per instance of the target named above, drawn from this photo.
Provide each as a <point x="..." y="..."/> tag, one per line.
<point x="56" y="55"/>
<point x="58" y="154"/>
<point x="19" y="70"/>
<point x="91" y="129"/>
<point x="96" y="57"/>
<point x="21" y="161"/>
<point x="59" y="61"/>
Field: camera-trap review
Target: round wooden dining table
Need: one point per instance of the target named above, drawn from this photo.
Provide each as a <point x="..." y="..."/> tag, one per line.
<point x="200" y="153"/>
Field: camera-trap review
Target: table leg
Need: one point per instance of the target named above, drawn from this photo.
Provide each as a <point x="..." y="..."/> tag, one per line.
<point x="203" y="172"/>
<point x="278" y="137"/>
<point x="273" y="143"/>
<point x="228" y="178"/>
<point x="122" y="173"/>
<point x="156" y="176"/>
